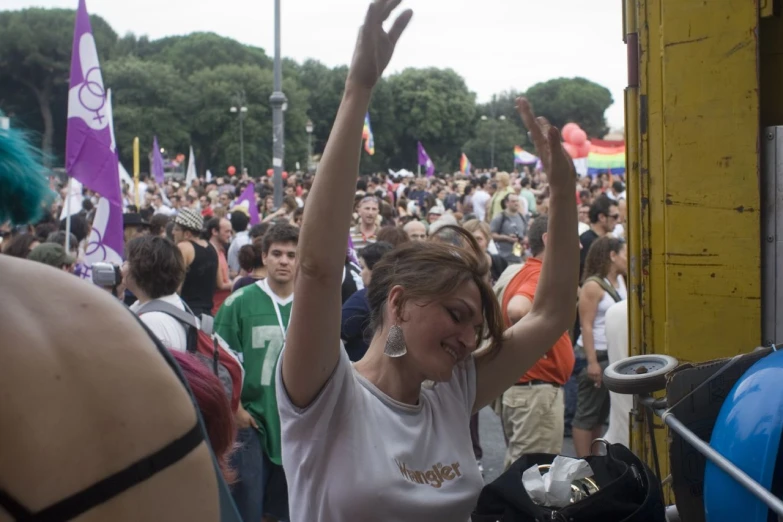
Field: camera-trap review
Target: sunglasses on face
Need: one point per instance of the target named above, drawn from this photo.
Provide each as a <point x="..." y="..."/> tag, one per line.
<point x="614" y="216"/>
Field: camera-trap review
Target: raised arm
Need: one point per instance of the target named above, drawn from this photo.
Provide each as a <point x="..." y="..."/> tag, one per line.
<point x="313" y="342"/>
<point x="554" y="305"/>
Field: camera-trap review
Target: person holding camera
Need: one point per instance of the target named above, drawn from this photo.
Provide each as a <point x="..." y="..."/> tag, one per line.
<point x="509" y="228"/>
<point x="154" y="270"/>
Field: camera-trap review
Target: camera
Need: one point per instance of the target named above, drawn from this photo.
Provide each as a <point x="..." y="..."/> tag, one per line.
<point x="106" y="275"/>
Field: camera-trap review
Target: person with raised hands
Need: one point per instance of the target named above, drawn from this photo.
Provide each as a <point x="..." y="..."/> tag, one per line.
<point x="387" y="438"/>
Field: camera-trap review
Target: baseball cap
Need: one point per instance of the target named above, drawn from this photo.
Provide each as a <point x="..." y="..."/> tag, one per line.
<point x="52" y="254"/>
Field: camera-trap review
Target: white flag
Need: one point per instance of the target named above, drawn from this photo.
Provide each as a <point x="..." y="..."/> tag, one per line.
<point x="73" y="201"/>
<point x="191" y="175"/>
<point x="209" y="175"/>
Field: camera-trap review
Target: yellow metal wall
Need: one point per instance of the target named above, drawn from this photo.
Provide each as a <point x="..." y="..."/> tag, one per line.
<point x="693" y="179"/>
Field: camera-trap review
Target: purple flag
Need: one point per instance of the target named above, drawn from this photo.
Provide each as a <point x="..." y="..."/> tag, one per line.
<point x="248" y="200"/>
<point x="106" y="242"/>
<point x="89" y="157"/>
<point x="425" y="161"/>
<point x="352" y="251"/>
<point x="157" y="162"/>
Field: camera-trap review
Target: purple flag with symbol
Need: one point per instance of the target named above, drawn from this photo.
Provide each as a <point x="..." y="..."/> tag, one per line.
<point x="425" y="161"/>
<point x="89" y="157"/>
<point x="106" y="242"/>
<point x="248" y="200"/>
<point x="157" y="162"/>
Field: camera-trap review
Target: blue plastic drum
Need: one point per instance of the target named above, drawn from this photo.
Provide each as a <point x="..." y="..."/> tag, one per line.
<point x="748" y="433"/>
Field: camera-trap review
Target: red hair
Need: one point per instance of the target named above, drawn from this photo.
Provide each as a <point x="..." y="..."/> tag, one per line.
<point x="215" y="408"/>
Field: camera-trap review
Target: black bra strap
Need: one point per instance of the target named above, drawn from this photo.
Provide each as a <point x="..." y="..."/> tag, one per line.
<point x="119" y="482"/>
<point x="14" y="508"/>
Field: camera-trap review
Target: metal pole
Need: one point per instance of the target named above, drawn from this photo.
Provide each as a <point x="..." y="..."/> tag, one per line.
<point x="278" y="100"/>
<point x="68" y="216"/>
<point x="309" y="151"/>
<point x="241" y="142"/>
<point x="492" y="147"/>
<point x="774" y="503"/>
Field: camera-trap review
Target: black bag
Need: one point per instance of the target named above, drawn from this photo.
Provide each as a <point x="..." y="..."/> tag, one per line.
<point x="629" y="492"/>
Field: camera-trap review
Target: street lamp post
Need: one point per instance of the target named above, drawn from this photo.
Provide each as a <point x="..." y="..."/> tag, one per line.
<point x="492" y="143"/>
<point x="278" y="102"/>
<point x="241" y="109"/>
<point x="309" y="130"/>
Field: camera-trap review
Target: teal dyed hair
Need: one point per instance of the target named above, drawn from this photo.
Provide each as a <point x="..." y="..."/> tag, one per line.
<point x="24" y="187"/>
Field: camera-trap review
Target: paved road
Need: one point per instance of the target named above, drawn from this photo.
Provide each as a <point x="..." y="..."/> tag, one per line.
<point x="494" y="445"/>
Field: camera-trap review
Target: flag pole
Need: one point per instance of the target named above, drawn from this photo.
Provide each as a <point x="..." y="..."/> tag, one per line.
<point x="68" y="216"/>
<point x="136" y="172"/>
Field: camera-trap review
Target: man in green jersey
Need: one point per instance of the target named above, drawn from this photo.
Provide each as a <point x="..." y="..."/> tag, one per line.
<point x="253" y="321"/>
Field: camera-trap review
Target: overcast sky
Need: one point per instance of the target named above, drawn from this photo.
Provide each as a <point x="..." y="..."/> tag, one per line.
<point x="495" y="45"/>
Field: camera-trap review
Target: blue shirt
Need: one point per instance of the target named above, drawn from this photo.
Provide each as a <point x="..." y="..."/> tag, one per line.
<point x="355" y="322"/>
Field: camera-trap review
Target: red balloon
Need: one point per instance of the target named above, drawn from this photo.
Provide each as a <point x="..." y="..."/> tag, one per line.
<point x="270" y="172"/>
<point x="578" y="137"/>
<point x="571" y="150"/>
<point x="583" y="150"/>
<point x="231" y="170"/>
<point x="285" y="175"/>
<point x="568" y="128"/>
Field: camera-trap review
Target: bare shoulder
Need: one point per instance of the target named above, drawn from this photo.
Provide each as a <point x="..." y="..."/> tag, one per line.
<point x="77" y="364"/>
<point x="591" y="290"/>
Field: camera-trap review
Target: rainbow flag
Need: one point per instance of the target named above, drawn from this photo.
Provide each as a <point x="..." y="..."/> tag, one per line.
<point x="464" y="164"/>
<point x="606" y="159"/>
<point x="369" y="140"/>
<point x="520" y="156"/>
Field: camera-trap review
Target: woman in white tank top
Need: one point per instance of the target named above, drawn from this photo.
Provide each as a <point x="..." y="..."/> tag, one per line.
<point x="604" y="285"/>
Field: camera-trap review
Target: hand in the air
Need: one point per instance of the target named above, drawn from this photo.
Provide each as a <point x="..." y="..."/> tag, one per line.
<point x="558" y="165"/>
<point x="375" y="46"/>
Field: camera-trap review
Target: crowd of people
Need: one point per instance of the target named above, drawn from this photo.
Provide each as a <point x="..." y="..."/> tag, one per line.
<point x="448" y="294"/>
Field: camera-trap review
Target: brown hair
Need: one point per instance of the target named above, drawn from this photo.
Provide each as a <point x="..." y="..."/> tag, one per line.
<point x="394" y="235"/>
<point x="429" y="270"/>
<point x="599" y="257"/>
<point x="474" y="225"/>
<point x="156" y="265"/>
<point x="250" y="256"/>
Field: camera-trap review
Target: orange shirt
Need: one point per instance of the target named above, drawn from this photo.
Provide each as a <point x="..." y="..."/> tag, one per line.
<point x="558" y="363"/>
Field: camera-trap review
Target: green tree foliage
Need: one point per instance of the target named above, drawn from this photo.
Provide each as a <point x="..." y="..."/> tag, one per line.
<point x="577" y="100"/>
<point x="35" y="54"/>
<point x="181" y="88"/>
<point x="433" y="106"/>
<point x="495" y="135"/>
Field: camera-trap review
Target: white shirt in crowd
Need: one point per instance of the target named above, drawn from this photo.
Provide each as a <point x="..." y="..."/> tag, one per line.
<point x="170" y="331"/>
<point x="480" y="198"/>
<point x="617" y="345"/>
<point x="357" y="454"/>
<point x="240" y="240"/>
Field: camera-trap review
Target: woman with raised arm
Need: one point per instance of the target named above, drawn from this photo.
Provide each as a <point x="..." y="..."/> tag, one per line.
<point x="387" y="439"/>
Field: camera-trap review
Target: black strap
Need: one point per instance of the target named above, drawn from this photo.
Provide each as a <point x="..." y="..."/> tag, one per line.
<point x="112" y="485"/>
<point x="15" y="509"/>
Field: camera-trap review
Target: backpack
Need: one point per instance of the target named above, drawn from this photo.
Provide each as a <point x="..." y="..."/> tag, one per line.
<point x="207" y="346"/>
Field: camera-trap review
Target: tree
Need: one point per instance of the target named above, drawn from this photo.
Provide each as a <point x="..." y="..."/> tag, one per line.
<point x="433" y="106"/>
<point x="36" y="53"/>
<point x="215" y="130"/>
<point x="577" y="100"/>
<point x="325" y="90"/>
<point x="148" y="99"/>
<point x="505" y="135"/>
<point x="196" y="51"/>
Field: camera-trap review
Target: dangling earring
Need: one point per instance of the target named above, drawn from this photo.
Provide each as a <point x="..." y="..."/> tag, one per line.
<point x="395" y="343"/>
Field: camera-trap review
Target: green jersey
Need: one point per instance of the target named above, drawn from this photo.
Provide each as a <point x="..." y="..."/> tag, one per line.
<point x="253" y="321"/>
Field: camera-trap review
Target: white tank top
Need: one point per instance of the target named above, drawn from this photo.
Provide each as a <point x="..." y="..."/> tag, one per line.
<point x="599" y="323"/>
